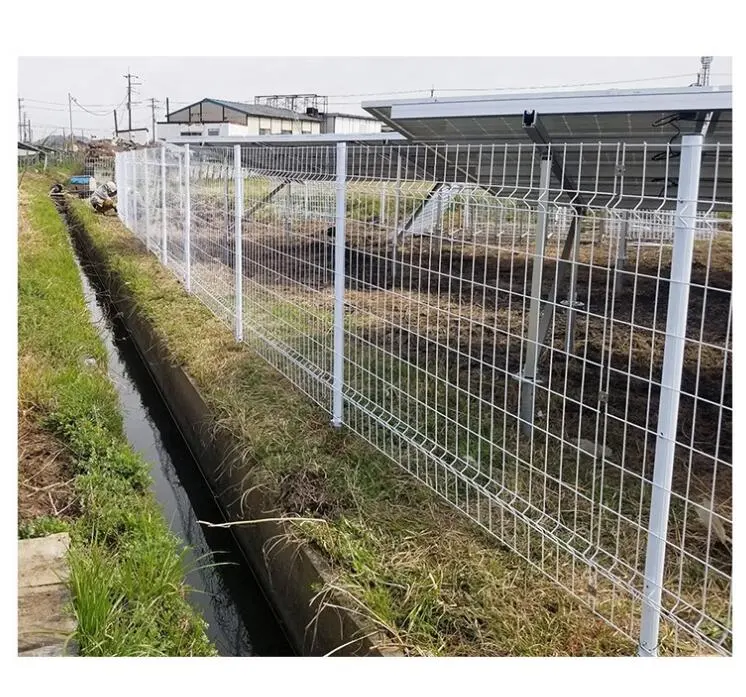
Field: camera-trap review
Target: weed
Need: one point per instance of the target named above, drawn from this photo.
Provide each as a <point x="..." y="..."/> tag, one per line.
<point x="127" y="569"/>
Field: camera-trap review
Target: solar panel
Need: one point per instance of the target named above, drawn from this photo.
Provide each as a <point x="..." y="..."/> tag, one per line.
<point x="619" y="146"/>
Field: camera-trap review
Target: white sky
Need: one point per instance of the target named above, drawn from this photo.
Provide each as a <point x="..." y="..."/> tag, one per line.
<point x="99" y="85"/>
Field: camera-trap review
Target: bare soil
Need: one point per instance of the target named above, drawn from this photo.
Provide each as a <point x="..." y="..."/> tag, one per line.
<point x="45" y="474"/>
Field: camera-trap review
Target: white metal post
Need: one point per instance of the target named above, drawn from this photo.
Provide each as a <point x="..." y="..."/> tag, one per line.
<point x="528" y="376"/>
<point x="395" y="226"/>
<point x="382" y="205"/>
<point x="118" y="181"/>
<point x="621" y="253"/>
<point x="127" y="175"/>
<point x="339" y="286"/>
<point x="135" y="189"/>
<point x="147" y="197"/>
<point x="181" y="183"/>
<point x="238" y="238"/>
<point x="668" y="412"/>
<point x="187" y="221"/>
<point x="164" y="238"/>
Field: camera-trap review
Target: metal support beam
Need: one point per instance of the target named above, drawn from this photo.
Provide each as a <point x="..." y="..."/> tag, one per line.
<point x="572" y="296"/>
<point x="534" y="129"/>
<point x="254" y="207"/>
<point x="528" y="375"/>
<point x="339" y="288"/>
<point x="420" y="207"/>
<point x="668" y="411"/>
<point x="564" y="269"/>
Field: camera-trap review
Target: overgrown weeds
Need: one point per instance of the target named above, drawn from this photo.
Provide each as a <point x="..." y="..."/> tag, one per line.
<point x="127" y="571"/>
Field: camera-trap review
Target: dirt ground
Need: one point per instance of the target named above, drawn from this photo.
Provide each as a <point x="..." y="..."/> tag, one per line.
<point x="44" y="474"/>
<point x="459" y="311"/>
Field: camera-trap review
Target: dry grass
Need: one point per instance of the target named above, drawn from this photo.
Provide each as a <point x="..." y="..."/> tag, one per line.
<point x="435" y="581"/>
<point x="288" y="447"/>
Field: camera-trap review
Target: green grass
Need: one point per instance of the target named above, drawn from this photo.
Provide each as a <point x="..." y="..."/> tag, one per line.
<point x="435" y="583"/>
<point x="127" y="572"/>
<point x="42" y="526"/>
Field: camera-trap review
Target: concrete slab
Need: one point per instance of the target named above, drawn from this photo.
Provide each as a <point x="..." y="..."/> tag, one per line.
<point x="45" y="622"/>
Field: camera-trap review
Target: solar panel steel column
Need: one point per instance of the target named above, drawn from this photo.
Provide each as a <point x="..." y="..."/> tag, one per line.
<point x="164" y="238"/>
<point x="528" y="375"/>
<point x="673" y="363"/>
<point x="339" y="287"/>
<point x="238" y="238"/>
<point x="187" y="220"/>
<point x="572" y="295"/>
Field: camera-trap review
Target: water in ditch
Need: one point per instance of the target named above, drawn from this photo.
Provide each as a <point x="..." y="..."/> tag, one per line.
<point x="240" y="621"/>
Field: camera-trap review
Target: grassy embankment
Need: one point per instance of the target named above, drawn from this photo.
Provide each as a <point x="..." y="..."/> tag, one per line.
<point x="433" y="581"/>
<point x="127" y="571"/>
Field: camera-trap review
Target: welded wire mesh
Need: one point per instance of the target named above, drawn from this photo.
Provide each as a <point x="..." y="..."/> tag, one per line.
<point x="504" y="337"/>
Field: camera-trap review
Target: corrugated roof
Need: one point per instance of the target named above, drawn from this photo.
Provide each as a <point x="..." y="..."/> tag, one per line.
<point x="255" y="110"/>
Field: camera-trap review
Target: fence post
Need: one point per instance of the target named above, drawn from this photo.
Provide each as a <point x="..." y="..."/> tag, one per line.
<point x="668" y="411"/>
<point x="528" y="376"/>
<point x="135" y="191"/>
<point x="238" y="237"/>
<point x="339" y="286"/>
<point x="187" y="221"/>
<point x="621" y="252"/>
<point x="125" y="189"/>
<point x="147" y="198"/>
<point x="395" y="228"/>
<point x="164" y="234"/>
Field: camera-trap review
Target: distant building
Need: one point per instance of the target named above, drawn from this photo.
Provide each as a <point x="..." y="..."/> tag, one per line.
<point x="211" y="118"/>
<point x="216" y="117"/>
<point x="349" y="123"/>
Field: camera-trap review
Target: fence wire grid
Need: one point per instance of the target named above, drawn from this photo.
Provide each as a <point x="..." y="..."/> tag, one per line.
<point x="510" y="340"/>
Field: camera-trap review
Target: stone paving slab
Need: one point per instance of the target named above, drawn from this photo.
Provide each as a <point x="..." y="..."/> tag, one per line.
<point x="45" y="621"/>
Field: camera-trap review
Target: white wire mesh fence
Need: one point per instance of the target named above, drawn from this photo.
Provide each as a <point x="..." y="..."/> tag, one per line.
<point x="553" y="359"/>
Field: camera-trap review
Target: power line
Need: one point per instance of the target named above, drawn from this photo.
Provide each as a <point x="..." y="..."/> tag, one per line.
<point x="93" y="113"/>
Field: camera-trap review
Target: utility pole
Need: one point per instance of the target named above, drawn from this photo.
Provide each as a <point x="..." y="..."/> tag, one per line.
<point x="70" y="109"/>
<point x="116" y="128"/>
<point x="20" y="119"/>
<point x="129" y="77"/>
<point x="703" y="77"/>
<point x="152" y="111"/>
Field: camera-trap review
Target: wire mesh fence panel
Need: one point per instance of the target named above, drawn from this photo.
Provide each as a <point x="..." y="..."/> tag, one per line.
<point x="288" y="264"/>
<point x="173" y="216"/>
<point x="212" y="230"/>
<point x="510" y="339"/>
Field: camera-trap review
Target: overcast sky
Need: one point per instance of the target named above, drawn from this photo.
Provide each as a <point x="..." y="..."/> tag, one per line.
<point x="99" y="85"/>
